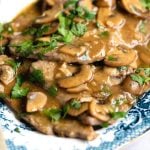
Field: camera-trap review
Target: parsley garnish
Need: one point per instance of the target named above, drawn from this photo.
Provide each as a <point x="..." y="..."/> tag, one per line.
<point x="17" y="130"/>
<point x="17" y="90"/>
<point x="122" y="68"/>
<point x="117" y="115"/>
<point x="39" y="31"/>
<point x="75" y="104"/>
<point x="53" y="90"/>
<point x="14" y="64"/>
<point x="139" y="78"/>
<point x="78" y="29"/>
<point x="105" y="124"/>
<point x="146" y="4"/>
<point x="71" y="3"/>
<point x="53" y="113"/>
<point x="104" y="34"/>
<point x="112" y="58"/>
<point x="36" y="76"/>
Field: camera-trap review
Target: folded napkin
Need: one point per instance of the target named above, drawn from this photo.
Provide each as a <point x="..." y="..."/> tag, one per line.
<point x="2" y="141"/>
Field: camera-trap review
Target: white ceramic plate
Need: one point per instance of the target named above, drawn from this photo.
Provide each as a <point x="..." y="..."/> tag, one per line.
<point x="136" y="122"/>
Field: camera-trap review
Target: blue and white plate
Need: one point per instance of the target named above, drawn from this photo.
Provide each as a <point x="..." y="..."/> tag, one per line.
<point x="133" y="125"/>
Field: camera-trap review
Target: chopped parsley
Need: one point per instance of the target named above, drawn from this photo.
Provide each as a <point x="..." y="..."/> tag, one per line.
<point x="75" y="104"/>
<point x="17" y="130"/>
<point x="122" y="68"/>
<point x="78" y="29"/>
<point x="53" y="113"/>
<point x="140" y="79"/>
<point x="53" y="90"/>
<point x="145" y="4"/>
<point x="105" y="124"/>
<point x="18" y="91"/>
<point x="104" y="34"/>
<point x="36" y="76"/>
<point x="71" y="3"/>
<point x="145" y="70"/>
<point x="142" y="27"/>
<point x="39" y="31"/>
<point x="14" y="64"/>
<point x="112" y="58"/>
<point x="117" y="115"/>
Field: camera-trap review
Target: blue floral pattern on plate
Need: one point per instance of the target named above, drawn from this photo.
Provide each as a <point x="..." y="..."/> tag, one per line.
<point x="133" y="125"/>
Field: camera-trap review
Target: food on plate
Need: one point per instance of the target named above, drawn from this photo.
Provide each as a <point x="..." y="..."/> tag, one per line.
<point x="70" y="67"/>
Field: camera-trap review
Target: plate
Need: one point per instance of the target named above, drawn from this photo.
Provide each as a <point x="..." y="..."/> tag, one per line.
<point x="20" y="136"/>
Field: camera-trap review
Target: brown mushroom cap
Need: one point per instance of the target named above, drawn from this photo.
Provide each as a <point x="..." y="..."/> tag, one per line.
<point x="83" y="76"/>
<point x="7" y="74"/>
<point x="135" y="7"/>
<point x="120" y="57"/>
<point x="132" y="87"/>
<point x="50" y="15"/>
<point x="35" y="101"/>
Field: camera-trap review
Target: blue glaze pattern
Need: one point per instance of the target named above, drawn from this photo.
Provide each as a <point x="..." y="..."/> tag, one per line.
<point x="136" y="122"/>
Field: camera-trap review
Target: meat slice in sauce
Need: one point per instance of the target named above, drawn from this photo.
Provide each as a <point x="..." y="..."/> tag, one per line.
<point x="72" y="128"/>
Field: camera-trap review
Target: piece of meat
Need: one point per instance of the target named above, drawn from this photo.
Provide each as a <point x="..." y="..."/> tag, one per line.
<point x="74" y="129"/>
<point x="47" y="68"/>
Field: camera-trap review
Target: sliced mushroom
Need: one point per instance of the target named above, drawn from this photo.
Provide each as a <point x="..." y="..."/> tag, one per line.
<point x="103" y="14"/>
<point x="80" y="88"/>
<point x="132" y="87"/>
<point x="117" y="57"/>
<point x="50" y="15"/>
<point x="106" y="3"/>
<point x="136" y="7"/>
<point x="74" y="129"/>
<point x="76" y="112"/>
<point x="65" y="70"/>
<point x="83" y="76"/>
<point x="7" y="74"/>
<point x="86" y="4"/>
<point x="100" y="111"/>
<point x="72" y="50"/>
<point x="115" y="21"/>
<point x="3" y="59"/>
<point x="35" y="101"/>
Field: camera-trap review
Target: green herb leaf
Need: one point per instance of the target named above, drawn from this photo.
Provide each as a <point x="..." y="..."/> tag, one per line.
<point x="138" y="78"/>
<point x="70" y="3"/>
<point x="18" y="91"/>
<point x="122" y="68"/>
<point x="146" y="4"/>
<point x="24" y="48"/>
<point x="14" y="64"/>
<point x="105" y="124"/>
<point x="65" y="110"/>
<point x="1" y="27"/>
<point x="117" y="115"/>
<point x="112" y="58"/>
<point x="75" y="104"/>
<point x="17" y="130"/>
<point x="36" y="76"/>
<point x="78" y="29"/>
<point x="104" y="34"/>
<point x="54" y="113"/>
<point x="53" y="90"/>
